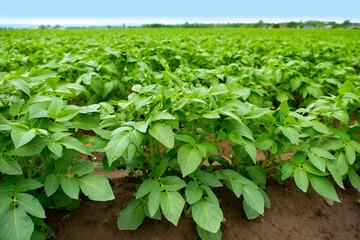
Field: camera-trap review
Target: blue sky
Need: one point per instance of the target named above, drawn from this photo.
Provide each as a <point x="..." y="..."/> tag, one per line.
<point x="141" y="11"/>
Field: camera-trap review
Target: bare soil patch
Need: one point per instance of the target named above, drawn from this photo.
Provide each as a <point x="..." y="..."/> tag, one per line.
<point x="293" y="215"/>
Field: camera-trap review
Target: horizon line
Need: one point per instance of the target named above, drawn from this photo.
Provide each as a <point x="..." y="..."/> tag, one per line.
<point x="170" y="21"/>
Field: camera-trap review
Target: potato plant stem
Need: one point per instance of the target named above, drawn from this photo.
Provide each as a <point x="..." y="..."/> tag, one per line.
<point x="152" y="154"/>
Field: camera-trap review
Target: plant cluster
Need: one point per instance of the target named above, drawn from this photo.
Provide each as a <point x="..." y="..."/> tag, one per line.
<point x="162" y="104"/>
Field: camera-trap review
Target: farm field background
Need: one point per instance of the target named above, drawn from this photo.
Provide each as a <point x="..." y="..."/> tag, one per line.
<point x="257" y="106"/>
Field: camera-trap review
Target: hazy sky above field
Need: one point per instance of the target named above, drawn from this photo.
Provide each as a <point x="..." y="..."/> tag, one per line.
<point x="166" y="11"/>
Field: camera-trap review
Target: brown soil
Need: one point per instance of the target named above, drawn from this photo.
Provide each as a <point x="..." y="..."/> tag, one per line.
<point x="293" y="215"/>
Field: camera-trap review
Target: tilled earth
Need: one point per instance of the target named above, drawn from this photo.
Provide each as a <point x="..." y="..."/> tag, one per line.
<point x="293" y="215"/>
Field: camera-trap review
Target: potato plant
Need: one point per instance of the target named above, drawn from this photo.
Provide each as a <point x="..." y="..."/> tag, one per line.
<point x="185" y="111"/>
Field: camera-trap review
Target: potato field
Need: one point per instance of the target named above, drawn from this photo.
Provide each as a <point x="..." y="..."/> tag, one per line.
<point x="183" y="120"/>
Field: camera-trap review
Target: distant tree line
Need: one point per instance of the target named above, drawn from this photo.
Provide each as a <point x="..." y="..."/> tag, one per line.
<point x="260" y="24"/>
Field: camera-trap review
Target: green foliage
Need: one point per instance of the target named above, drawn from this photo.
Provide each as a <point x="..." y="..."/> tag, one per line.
<point x="207" y="214"/>
<point x="172" y="205"/>
<point x="189" y="158"/>
<point x="132" y="216"/>
<point x="168" y="113"/>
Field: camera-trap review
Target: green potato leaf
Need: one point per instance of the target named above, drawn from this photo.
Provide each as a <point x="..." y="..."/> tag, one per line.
<point x="324" y="187"/>
<point x="96" y="187"/>
<point x="163" y="134"/>
<point x="189" y="158"/>
<point x="207" y="214"/>
<point x="172" y="205"/>
<point x="132" y="216"/>
<point x="15" y="224"/>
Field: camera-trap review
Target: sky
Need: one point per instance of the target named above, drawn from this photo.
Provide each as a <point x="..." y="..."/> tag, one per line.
<point x="116" y="12"/>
